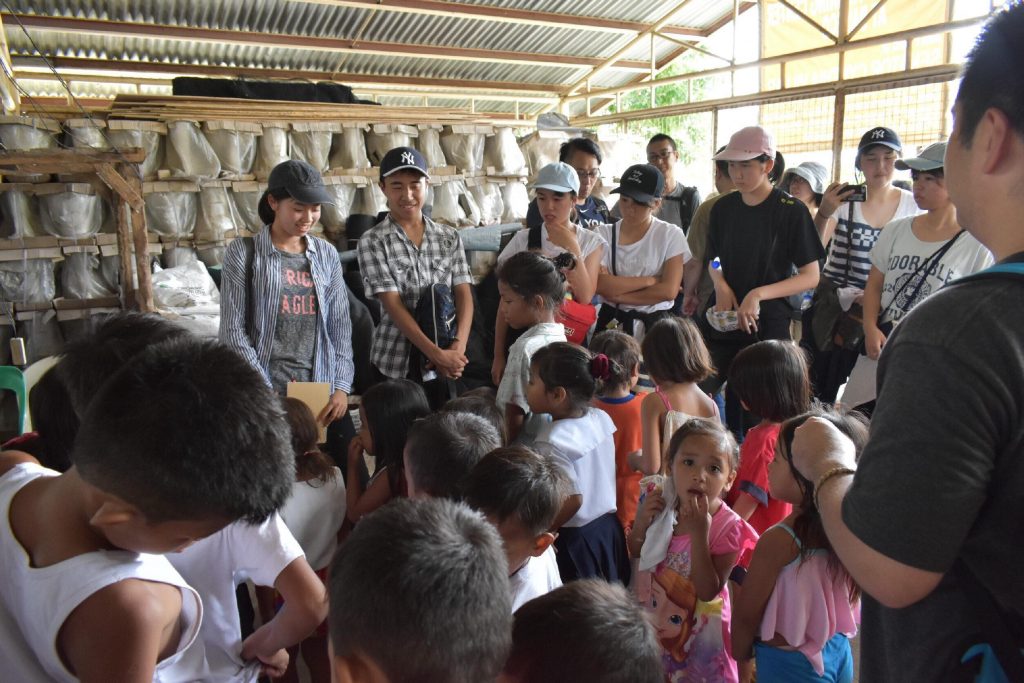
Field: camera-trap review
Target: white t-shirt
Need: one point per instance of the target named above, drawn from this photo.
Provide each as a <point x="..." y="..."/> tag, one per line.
<point x="539" y="576"/>
<point x="585" y="449"/>
<point x="517" y="369"/>
<point x="589" y="241"/>
<point x="215" y="566"/>
<point x="313" y="513"/>
<point x="898" y="253"/>
<point x="645" y="257"/>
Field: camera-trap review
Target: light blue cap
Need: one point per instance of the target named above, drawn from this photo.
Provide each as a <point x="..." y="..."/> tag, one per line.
<point x="558" y="177"/>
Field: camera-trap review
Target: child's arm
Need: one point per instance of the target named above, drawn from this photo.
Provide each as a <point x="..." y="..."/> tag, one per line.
<point x="652" y="506"/>
<point x="612" y="287"/>
<point x="651" y="411"/>
<point x="500" y="335"/>
<point x="745" y="505"/>
<point x="871" y="303"/>
<point x="120" y="632"/>
<point x="664" y="288"/>
<point x="774" y="551"/>
<point x="514" y="419"/>
<point x="357" y="501"/>
<point x="305" y="606"/>
<point x="708" y="573"/>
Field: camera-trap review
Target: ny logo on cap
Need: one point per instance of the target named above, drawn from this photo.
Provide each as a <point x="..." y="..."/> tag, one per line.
<point x="635" y="177"/>
<point x="878" y="134"/>
<point x="408" y="158"/>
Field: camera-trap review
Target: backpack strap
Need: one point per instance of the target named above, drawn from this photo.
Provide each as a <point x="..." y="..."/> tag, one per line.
<point x="533" y="238"/>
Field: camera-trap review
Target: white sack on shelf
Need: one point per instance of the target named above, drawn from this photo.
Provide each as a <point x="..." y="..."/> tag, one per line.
<point x="152" y="141"/>
<point x="71" y="214"/>
<point x="28" y="280"/>
<point x="501" y="152"/>
<point x="348" y="149"/>
<point x="333" y="216"/>
<point x="429" y="145"/>
<point x="541" y="150"/>
<point x="212" y="255"/>
<point x="82" y="276"/>
<point x="516" y="201"/>
<point x="454" y="205"/>
<point x="380" y="143"/>
<point x="235" y="149"/>
<point x="247" y="198"/>
<point x="173" y="257"/>
<point x="171" y="214"/>
<point x="87" y="134"/>
<point x="272" y="149"/>
<point x="187" y="286"/>
<point x="189" y="154"/>
<point x="488" y="198"/>
<point x="311" y="146"/>
<point x="217" y="216"/>
<point x="19" y="214"/>
<point x="463" y="150"/>
<point x="26" y="133"/>
<point x="43" y="336"/>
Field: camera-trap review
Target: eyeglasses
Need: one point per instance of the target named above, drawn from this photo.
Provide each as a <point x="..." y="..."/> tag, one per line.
<point x="593" y="175"/>
<point x="664" y="156"/>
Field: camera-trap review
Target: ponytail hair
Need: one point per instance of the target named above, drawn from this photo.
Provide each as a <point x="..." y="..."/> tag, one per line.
<point x="311" y="464"/>
<point x="778" y="169"/>
<point x="575" y="369"/>
<point x="529" y="274"/>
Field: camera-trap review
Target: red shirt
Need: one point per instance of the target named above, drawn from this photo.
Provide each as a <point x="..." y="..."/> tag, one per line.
<point x="625" y="415"/>
<point x="757" y="451"/>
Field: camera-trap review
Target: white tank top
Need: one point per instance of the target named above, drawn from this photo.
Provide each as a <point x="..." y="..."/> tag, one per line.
<point x="35" y="602"/>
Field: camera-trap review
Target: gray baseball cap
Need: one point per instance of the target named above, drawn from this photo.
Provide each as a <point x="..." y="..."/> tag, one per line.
<point x="930" y="158"/>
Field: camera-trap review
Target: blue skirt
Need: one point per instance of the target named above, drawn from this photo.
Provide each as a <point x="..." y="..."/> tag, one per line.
<point x="594" y="550"/>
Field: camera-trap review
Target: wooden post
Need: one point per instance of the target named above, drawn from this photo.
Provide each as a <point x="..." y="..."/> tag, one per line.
<point x="144" y="293"/>
<point x="837" y="133"/>
<point x="124" y="250"/>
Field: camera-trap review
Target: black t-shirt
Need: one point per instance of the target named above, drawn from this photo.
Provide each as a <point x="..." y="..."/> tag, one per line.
<point x="763" y="244"/>
<point x="941" y="477"/>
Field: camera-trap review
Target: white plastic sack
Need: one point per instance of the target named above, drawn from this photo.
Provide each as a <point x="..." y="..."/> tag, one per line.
<point x="235" y="149"/>
<point x="369" y="201"/>
<point x="271" y="150"/>
<point x="82" y="277"/>
<point x="203" y="325"/>
<point x="488" y="199"/>
<point x="188" y="286"/>
<point x="189" y="154"/>
<point x="379" y="144"/>
<point x="22" y="137"/>
<point x="43" y="336"/>
<point x="71" y="214"/>
<point x="348" y="150"/>
<point x="429" y="145"/>
<point x="311" y="146"/>
<point x="539" y="151"/>
<point x="171" y="214"/>
<point x="153" y="142"/>
<point x="465" y="151"/>
<point x="212" y="255"/>
<point x="246" y="206"/>
<point x="454" y="205"/>
<point x="501" y="151"/>
<point x="173" y="257"/>
<point x="85" y="134"/>
<point x="516" y="201"/>
<point x="217" y="216"/>
<point x="28" y="280"/>
<point x="19" y="215"/>
<point x="333" y="216"/>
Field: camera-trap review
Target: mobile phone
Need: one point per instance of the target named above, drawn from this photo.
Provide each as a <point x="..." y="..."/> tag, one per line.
<point x="859" y="194"/>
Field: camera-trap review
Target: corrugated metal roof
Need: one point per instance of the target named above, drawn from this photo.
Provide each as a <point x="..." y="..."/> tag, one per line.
<point x="313" y="19"/>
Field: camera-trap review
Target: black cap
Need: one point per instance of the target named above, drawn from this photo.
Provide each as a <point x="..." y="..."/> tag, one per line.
<point x="880" y="136"/>
<point x="642" y="183"/>
<point x="300" y="180"/>
<point x="402" y="159"/>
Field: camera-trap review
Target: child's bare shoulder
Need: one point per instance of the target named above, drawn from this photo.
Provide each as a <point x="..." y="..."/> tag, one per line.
<point x="128" y="626"/>
<point x="11" y="459"/>
<point x="652" y="404"/>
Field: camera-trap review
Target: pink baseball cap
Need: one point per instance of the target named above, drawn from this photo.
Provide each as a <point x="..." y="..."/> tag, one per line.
<point x="746" y="144"/>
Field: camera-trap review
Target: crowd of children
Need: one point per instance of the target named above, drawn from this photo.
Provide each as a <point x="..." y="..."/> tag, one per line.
<point x="571" y="524"/>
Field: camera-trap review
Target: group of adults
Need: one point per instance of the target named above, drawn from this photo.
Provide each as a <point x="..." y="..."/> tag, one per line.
<point x="925" y="521"/>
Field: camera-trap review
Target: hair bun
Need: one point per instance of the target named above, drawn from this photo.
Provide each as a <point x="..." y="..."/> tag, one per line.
<point x="600" y="367"/>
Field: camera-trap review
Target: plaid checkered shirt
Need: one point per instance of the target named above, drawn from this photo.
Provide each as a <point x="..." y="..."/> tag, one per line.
<point x="390" y="262"/>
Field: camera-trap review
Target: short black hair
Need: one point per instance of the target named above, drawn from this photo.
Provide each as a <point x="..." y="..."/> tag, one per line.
<point x="480" y="405"/>
<point x="587" y="630"/>
<point x="585" y="145"/>
<point x="421" y="589"/>
<point x="389" y="409"/>
<point x="939" y="172"/>
<point x="661" y="137"/>
<point x="993" y="75"/>
<point x="529" y="274"/>
<point x="674" y="351"/>
<point x="621" y="348"/>
<point x="721" y="164"/>
<point x="773" y="379"/>
<point x="188" y="430"/>
<point x="442" y="448"/>
<point x="517" y="483"/>
<point x="60" y="398"/>
<point x="571" y="367"/>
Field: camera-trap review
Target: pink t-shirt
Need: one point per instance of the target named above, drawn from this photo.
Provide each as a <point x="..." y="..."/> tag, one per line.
<point x="695" y="635"/>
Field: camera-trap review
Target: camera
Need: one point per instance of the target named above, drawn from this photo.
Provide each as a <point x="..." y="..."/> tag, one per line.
<point x="859" y="193"/>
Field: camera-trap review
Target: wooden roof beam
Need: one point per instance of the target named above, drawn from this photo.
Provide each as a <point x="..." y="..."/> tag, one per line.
<point x="126" y="29"/>
<point x="32" y="67"/>
<point x="504" y="14"/>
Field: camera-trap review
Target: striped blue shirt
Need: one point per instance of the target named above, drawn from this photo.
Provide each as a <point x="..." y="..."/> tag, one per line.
<point x="254" y="340"/>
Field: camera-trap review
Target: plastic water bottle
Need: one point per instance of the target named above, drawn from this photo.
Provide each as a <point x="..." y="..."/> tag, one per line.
<point x="716" y="263"/>
<point x="806" y="300"/>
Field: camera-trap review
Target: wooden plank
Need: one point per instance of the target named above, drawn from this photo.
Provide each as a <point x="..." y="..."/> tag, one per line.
<point x="144" y="294"/>
<point x="119" y="185"/>
<point x="69" y="160"/>
<point x="124" y="250"/>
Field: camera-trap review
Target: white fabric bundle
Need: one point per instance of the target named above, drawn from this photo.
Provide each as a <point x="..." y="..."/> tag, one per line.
<point x="349" y="149"/>
<point x="146" y="135"/>
<point x="71" y="213"/>
<point x="87" y="133"/>
<point x="501" y="152"/>
<point x="311" y="142"/>
<point x="247" y="198"/>
<point x="28" y="280"/>
<point x="488" y="199"/>
<point x="19" y="214"/>
<point x="217" y="216"/>
<point x="429" y="145"/>
<point x="83" y="276"/>
<point x="189" y="154"/>
<point x="385" y="137"/>
<point x="172" y="214"/>
<point x="515" y="200"/>
<point x="454" y="205"/>
<point x="234" y="146"/>
<point x="271" y="149"/>
<point x="541" y="150"/>
<point x="333" y="216"/>
<point x="23" y="133"/>
<point x="177" y="256"/>
<point x="465" y="151"/>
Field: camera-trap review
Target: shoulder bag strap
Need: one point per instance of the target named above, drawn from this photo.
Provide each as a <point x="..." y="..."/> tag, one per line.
<point x="928" y="265"/>
<point x="615" y="231"/>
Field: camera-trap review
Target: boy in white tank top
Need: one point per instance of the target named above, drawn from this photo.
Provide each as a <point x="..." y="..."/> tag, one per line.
<point x="156" y="467"/>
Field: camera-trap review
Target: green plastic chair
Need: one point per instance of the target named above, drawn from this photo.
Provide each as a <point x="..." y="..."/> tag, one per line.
<point x="11" y="378"/>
